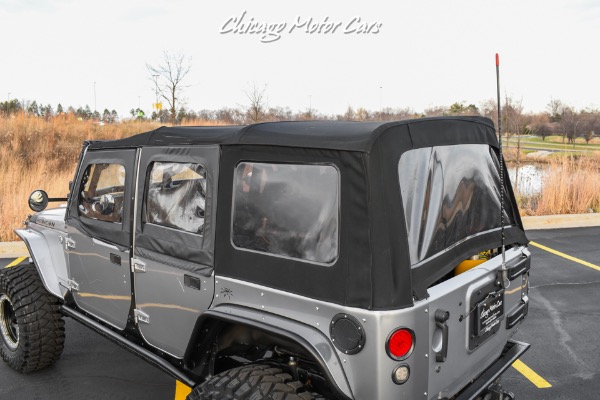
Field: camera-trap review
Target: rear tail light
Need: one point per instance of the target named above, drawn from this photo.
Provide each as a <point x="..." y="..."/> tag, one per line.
<point x="400" y="344"/>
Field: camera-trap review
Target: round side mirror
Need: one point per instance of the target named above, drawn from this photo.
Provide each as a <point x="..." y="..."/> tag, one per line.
<point x="107" y="204"/>
<point x="38" y="200"/>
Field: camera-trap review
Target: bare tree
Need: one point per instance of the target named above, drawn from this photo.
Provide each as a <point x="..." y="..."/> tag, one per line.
<point x="590" y="123"/>
<point x="540" y="125"/>
<point x="256" y="110"/>
<point x="168" y="78"/>
<point x="568" y="123"/>
<point x="515" y="122"/>
<point x="436" y="111"/>
<point x="555" y="109"/>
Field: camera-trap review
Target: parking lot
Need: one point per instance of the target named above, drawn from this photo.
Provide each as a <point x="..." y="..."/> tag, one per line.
<point x="563" y="320"/>
<point x="562" y="327"/>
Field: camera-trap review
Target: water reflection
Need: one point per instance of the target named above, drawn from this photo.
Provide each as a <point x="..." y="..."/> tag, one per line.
<point x="529" y="180"/>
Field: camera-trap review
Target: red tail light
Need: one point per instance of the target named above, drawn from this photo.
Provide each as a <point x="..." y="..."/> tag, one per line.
<point x="400" y="344"/>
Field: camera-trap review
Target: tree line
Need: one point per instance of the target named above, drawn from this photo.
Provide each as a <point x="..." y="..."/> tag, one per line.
<point x="32" y="108"/>
<point x="168" y="81"/>
<point x="558" y="118"/>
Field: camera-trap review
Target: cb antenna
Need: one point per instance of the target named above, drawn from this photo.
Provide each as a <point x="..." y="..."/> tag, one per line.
<point x="504" y="276"/>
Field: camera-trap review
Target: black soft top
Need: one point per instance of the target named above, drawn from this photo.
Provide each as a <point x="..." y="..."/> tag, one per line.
<point x="374" y="269"/>
<point x="333" y="135"/>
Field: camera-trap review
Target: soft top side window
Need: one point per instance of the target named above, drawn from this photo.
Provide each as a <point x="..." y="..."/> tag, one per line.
<point x="287" y="210"/>
<point x="101" y="192"/>
<point x="176" y="196"/>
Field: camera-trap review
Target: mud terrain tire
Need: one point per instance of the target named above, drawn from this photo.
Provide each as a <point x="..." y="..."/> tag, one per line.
<point x="32" y="331"/>
<point x="252" y="382"/>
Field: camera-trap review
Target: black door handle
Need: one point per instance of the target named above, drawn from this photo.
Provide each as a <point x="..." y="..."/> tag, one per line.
<point x="441" y="316"/>
<point x="115" y="259"/>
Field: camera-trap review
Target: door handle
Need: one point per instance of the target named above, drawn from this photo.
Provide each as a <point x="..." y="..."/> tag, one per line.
<point x="441" y="316"/>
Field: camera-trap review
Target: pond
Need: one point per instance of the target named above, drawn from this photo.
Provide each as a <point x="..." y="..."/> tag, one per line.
<point x="529" y="180"/>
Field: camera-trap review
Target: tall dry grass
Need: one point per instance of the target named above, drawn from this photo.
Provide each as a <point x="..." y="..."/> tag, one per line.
<point x="36" y="153"/>
<point x="571" y="185"/>
<point x="40" y="154"/>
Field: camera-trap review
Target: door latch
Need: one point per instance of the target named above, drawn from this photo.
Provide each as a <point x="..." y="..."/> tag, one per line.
<point x="69" y="243"/>
<point x="141" y="316"/>
<point x="138" y="265"/>
<point x="73" y="286"/>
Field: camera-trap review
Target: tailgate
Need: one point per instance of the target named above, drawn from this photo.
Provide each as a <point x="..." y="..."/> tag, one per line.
<point x="471" y="319"/>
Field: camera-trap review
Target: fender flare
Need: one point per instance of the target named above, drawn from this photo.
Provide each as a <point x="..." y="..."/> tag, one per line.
<point x="311" y="339"/>
<point x="42" y="258"/>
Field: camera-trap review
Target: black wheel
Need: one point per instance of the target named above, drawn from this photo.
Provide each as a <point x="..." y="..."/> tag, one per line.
<point x="32" y="331"/>
<point x="253" y="382"/>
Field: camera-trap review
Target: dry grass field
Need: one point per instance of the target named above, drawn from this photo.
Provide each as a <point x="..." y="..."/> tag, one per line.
<point x="40" y="154"/>
<point x="571" y="185"/>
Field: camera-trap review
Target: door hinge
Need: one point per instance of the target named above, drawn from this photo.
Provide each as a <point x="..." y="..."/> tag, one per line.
<point x="73" y="285"/>
<point x="138" y="265"/>
<point x="141" y="316"/>
<point x="69" y="243"/>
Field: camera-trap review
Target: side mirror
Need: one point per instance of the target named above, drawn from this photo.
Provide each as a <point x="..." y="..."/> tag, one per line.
<point x="38" y="200"/>
<point x="107" y="204"/>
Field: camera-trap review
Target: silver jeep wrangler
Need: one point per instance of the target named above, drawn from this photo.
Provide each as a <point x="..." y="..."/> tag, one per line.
<point x="285" y="260"/>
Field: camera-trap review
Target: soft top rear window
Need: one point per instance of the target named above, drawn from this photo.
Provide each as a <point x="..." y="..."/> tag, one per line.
<point x="287" y="210"/>
<point x="449" y="193"/>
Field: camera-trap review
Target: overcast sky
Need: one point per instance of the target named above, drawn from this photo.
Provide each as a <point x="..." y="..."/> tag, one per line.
<point x="416" y="53"/>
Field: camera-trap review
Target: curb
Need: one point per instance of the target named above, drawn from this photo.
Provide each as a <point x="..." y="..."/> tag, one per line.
<point x="13" y="250"/>
<point x="561" y="221"/>
<point x="18" y="249"/>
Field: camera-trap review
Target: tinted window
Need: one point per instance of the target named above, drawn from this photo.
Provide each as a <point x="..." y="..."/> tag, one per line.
<point x="176" y="196"/>
<point x="101" y="192"/>
<point x="449" y="193"/>
<point x="287" y="210"/>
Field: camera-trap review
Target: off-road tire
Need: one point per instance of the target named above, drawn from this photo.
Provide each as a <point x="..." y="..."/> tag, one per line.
<point x="253" y="382"/>
<point x="37" y="337"/>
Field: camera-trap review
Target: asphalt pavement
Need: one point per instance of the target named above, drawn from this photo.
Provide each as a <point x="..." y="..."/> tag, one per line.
<point x="562" y="328"/>
<point x="564" y="317"/>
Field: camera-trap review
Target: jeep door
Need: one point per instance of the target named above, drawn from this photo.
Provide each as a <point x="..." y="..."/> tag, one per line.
<point x="173" y="245"/>
<point x="99" y="238"/>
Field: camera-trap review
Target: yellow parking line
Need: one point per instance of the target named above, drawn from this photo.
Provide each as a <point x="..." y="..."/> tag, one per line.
<point x="181" y="391"/>
<point x="16" y="262"/>
<point x="568" y="257"/>
<point x="530" y="374"/>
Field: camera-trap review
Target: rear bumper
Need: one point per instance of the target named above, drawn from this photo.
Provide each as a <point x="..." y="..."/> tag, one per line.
<point x="512" y="351"/>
